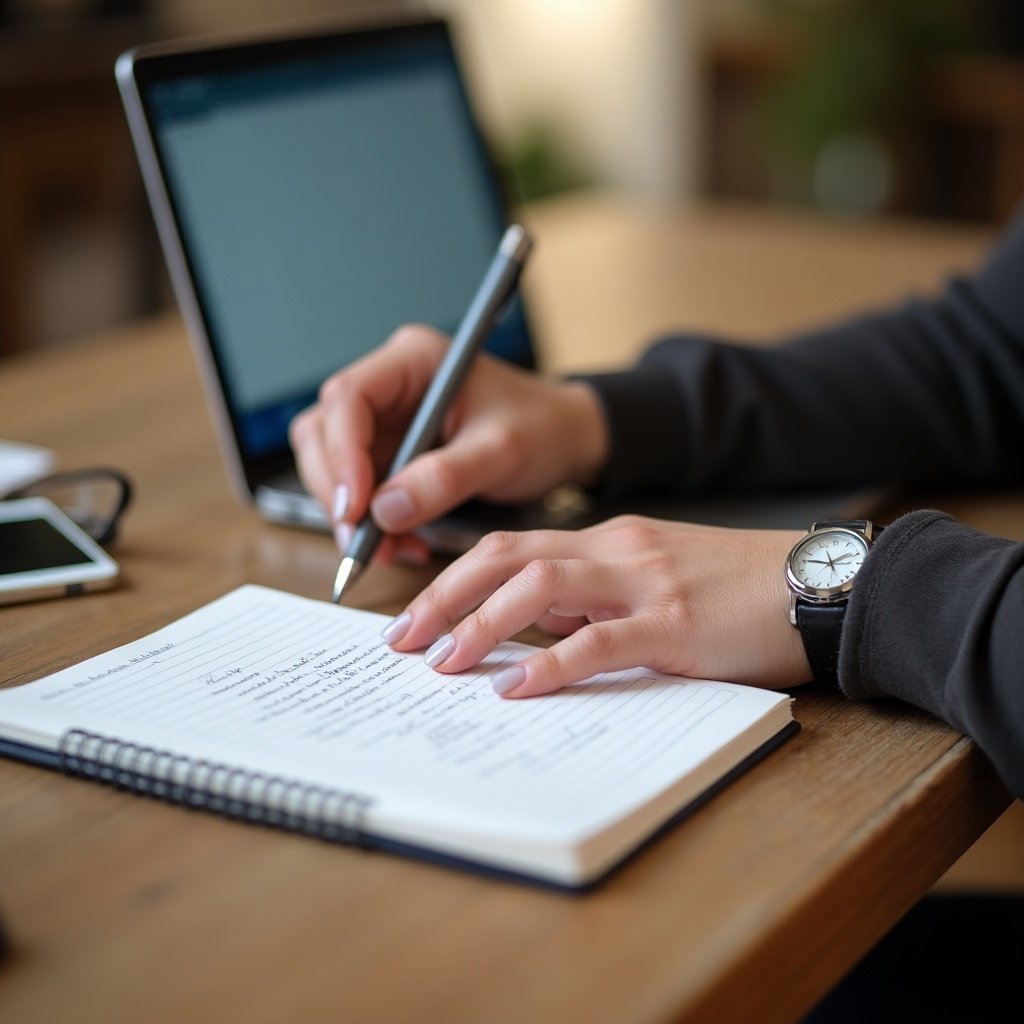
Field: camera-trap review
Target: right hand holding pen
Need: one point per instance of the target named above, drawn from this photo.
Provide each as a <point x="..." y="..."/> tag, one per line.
<point x="509" y="436"/>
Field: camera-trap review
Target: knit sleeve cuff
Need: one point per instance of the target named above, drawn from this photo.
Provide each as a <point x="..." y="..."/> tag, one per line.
<point x="646" y="424"/>
<point x="884" y="604"/>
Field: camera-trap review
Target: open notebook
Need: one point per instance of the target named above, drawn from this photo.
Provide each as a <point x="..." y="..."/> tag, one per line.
<point x="292" y="712"/>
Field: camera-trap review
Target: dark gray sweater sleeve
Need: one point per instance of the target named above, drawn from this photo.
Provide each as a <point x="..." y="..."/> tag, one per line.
<point x="931" y="393"/>
<point x="937" y="619"/>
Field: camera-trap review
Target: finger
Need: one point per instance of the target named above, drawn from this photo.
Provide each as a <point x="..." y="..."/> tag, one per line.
<point x="596" y="648"/>
<point x="356" y="403"/>
<point x="471" y="579"/>
<point x="305" y="435"/>
<point x="566" y="587"/>
<point x="438" y="481"/>
<point x="386" y="551"/>
<point x="561" y="625"/>
<point x="412" y="550"/>
<point x="349" y="432"/>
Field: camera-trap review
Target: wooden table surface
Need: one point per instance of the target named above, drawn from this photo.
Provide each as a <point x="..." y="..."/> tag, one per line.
<point x="123" y="908"/>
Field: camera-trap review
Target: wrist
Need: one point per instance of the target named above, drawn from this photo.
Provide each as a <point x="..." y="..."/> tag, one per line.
<point x="587" y="434"/>
<point x="785" y="659"/>
<point x="821" y="573"/>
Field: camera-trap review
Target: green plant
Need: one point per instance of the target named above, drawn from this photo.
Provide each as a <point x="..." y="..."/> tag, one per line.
<point x="854" y="63"/>
<point x="538" y="164"/>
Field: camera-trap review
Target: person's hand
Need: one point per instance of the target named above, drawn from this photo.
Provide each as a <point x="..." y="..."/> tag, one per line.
<point x="696" y="601"/>
<point x="510" y="436"/>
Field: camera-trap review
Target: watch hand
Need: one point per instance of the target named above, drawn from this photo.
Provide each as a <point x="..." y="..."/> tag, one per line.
<point x="849" y="554"/>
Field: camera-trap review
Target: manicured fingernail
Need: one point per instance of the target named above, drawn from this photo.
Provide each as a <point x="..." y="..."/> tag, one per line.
<point x="343" y="536"/>
<point x="393" y="510"/>
<point x="508" y="679"/>
<point x="396" y="628"/>
<point x="340" y="502"/>
<point x="439" y="650"/>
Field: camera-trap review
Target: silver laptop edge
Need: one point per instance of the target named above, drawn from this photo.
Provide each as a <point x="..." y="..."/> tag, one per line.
<point x="174" y="254"/>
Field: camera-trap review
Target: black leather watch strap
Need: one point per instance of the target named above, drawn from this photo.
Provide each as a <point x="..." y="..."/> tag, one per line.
<point x="821" y="626"/>
<point x="860" y="525"/>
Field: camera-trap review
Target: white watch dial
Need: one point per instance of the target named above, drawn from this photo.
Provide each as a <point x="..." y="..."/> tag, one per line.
<point x="828" y="558"/>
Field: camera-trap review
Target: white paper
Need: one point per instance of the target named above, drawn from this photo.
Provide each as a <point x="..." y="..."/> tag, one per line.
<point x="308" y="690"/>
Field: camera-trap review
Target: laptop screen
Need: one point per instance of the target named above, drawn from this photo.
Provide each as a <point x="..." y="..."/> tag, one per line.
<point x="323" y="199"/>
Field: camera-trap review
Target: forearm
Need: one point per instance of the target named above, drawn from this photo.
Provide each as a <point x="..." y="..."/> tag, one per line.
<point x="931" y="393"/>
<point x="889" y="399"/>
<point x="936" y="620"/>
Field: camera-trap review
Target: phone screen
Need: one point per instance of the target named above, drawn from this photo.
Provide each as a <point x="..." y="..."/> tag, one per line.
<point x="28" y="544"/>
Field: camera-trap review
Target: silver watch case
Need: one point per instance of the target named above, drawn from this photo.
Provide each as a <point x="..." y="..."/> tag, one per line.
<point x="799" y="590"/>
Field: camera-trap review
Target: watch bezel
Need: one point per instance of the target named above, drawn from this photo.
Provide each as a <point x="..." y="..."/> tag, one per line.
<point x="823" y="595"/>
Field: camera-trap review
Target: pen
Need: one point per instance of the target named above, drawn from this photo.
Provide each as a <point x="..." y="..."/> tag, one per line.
<point x="496" y="289"/>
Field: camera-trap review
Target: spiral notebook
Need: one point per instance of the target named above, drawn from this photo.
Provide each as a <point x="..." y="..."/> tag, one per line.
<point x="290" y="712"/>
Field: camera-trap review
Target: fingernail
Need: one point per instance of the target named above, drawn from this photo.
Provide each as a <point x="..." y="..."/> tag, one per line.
<point x="340" y="502"/>
<point x="396" y="628"/>
<point x="508" y="679"/>
<point x="343" y="536"/>
<point x="439" y="650"/>
<point x="393" y="510"/>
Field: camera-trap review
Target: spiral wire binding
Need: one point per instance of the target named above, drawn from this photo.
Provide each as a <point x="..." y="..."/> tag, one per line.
<point x="233" y="792"/>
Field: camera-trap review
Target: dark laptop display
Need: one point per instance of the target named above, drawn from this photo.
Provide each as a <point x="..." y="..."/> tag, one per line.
<point x="315" y="194"/>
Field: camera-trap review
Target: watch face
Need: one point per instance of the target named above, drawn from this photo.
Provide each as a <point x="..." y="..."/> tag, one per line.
<point x="824" y="563"/>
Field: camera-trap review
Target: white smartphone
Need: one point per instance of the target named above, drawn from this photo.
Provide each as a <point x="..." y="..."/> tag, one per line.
<point x="44" y="554"/>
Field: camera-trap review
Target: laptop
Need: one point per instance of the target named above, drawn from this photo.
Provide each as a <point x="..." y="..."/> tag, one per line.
<point x="313" y="192"/>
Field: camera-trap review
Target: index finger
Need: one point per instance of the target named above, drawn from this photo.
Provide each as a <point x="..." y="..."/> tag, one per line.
<point x="357" y="404"/>
<point x="471" y="579"/>
<point x="596" y="648"/>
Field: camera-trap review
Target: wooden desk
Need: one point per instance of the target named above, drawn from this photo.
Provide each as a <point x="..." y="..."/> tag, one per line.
<point x="122" y="908"/>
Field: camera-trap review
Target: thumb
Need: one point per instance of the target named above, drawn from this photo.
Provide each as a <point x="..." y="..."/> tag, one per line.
<point x="436" y="482"/>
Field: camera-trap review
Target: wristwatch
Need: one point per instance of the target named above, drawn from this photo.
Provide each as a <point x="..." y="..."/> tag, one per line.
<point x="820" y="572"/>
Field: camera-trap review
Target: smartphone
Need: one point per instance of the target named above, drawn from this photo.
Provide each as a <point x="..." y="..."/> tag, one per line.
<point x="44" y="554"/>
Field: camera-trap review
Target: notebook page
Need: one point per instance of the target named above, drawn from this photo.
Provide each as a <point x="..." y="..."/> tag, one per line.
<point x="304" y="689"/>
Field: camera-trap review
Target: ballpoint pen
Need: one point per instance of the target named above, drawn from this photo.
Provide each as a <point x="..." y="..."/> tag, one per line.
<point x="496" y="289"/>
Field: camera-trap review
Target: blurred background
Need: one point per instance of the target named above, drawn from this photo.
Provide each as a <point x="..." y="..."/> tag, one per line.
<point x="859" y="108"/>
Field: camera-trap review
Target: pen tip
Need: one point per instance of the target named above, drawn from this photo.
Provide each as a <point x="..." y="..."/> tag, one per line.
<point x="347" y="573"/>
